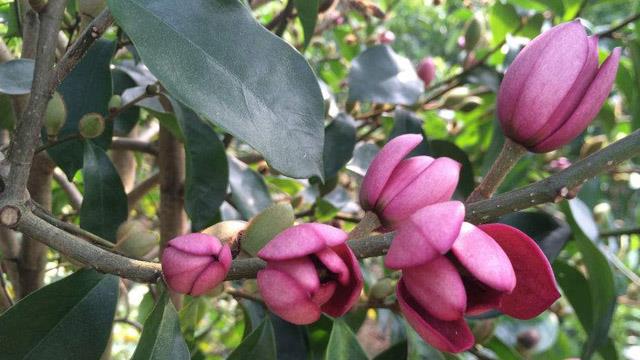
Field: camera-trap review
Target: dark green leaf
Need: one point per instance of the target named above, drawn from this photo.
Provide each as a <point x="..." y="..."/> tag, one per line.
<point x="7" y="116"/>
<point x="343" y="343"/>
<point x="87" y="89"/>
<point x="104" y="206"/>
<point x="339" y="142"/>
<point x="379" y="75"/>
<point x="575" y="288"/>
<point x="548" y="232"/>
<point x="207" y="171"/>
<point x="501" y="349"/>
<point x="260" y="344"/>
<point x="248" y="190"/>
<point x="69" y="319"/>
<point x="16" y="76"/>
<point x="445" y="148"/>
<point x="291" y="339"/>
<point x="161" y="338"/>
<point x="266" y="225"/>
<point x="263" y="92"/>
<point x="599" y="273"/>
<point x="395" y="352"/>
<point x="407" y="122"/>
<point x="308" y="14"/>
<point x="318" y="334"/>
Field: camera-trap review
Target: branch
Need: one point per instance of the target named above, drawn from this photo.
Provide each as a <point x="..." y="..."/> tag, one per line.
<point x="142" y="189"/>
<point x="625" y="22"/>
<point x="123" y="143"/>
<point x="621" y="231"/>
<point x="74" y="195"/>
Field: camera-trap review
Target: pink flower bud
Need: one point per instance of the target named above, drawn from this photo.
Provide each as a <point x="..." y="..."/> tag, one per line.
<point x="554" y="88"/>
<point x="493" y="266"/>
<point x="386" y="37"/>
<point x="427" y="70"/>
<point x="560" y="163"/>
<point x="310" y="270"/>
<point x="395" y="187"/>
<point x="195" y="263"/>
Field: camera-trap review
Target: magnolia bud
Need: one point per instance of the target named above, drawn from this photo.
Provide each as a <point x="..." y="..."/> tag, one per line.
<point x="56" y="115"/>
<point x="473" y="33"/>
<point x="115" y="103"/>
<point x="228" y="232"/>
<point x="134" y="239"/>
<point x="426" y="70"/>
<point x="381" y="289"/>
<point x="91" y="125"/>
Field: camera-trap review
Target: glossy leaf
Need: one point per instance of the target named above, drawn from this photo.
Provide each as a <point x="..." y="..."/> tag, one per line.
<point x="16" y="76"/>
<point x="207" y="171"/>
<point x="262" y="92"/>
<point x="161" y="338"/>
<point x="68" y="319"/>
<point x="363" y="155"/>
<point x="379" y="75"/>
<point x="266" y="225"/>
<point x="339" y="142"/>
<point x="445" y="148"/>
<point x="104" y="206"/>
<point x="87" y="89"/>
<point x="260" y="344"/>
<point x="343" y="344"/>
<point x="599" y="274"/>
<point x="308" y="14"/>
<point x="248" y="189"/>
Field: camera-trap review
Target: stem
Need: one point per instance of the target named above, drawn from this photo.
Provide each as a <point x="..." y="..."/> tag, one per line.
<point x="369" y="223"/>
<point x="618" y="232"/>
<point x="509" y="155"/>
<point x="142" y="189"/>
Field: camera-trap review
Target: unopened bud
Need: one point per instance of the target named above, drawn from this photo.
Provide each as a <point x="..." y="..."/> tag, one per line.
<point x="56" y="115"/>
<point x="383" y="288"/>
<point x="91" y="125"/>
<point x="135" y="240"/>
<point x="115" y="103"/>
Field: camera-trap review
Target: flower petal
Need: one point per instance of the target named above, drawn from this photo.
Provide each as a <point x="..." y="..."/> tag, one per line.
<point x="345" y="296"/>
<point x="451" y="336"/>
<point x="480" y="298"/>
<point x="484" y="258"/>
<point x="535" y="287"/>
<point x="301" y="269"/>
<point x="403" y="175"/>
<point x="324" y="293"/>
<point x="302" y="240"/>
<point x="334" y="263"/>
<point x="435" y="184"/>
<point x="212" y="276"/>
<point x="383" y="166"/>
<point x="437" y="288"/>
<point x="175" y="261"/>
<point x="587" y="109"/>
<point x="197" y="244"/>
<point x="428" y="233"/>
<point x="286" y="298"/>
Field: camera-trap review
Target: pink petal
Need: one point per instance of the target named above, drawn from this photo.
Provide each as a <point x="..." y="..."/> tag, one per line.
<point x="345" y="296"/>
<point x="224" y="257"/>
<point x="451" y="336"/>
<point x="484" y="258"/>
<point x="480" y="298"/>
<point x="437" y="288"/>
<point x="324" y="293"/>
<point x="549" y="80"/>
<point x="286" y="298"/>
<point x="301" y="269"/>
<point x="428" y="233"/>
<point x="588" y="108"/>
<point x="535" y="287"/>
<point x="212" y="276"/>
<point x="334" y="263"/>
<point x="435" y="184"/>
<point x="517" y="74"/>
<point x="403" y="175"/>
<point x="302" y="240"/>
<point x="175" y="261"/>
<point x="197" y="244"/>
<point x="383" y="166"/>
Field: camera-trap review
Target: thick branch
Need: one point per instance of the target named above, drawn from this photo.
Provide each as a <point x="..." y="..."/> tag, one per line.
<point x="124" y="143"/>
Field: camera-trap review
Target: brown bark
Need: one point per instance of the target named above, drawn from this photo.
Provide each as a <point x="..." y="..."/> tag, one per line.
<point x="126" y="165"/>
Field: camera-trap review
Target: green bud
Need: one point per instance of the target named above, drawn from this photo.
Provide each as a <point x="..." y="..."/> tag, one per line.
<point x="473" y="33"/>
<point x="56" y="115"/>
<point x="383" y="288"/>
<point x="135" y="240"/>
<point x="115" y="103"/>
<point x="91" y="125"/>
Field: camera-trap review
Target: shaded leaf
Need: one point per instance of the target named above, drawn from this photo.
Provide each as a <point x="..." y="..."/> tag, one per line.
<point x="362" y="157"/>
<point x="343" y="343"/>
<point x="379" y="75"/>
<point x="266" y="225"/>
<point x="395" y="352"/>
<point x="207" y="171"/>
<point x="308" y="14"/>
<point x="339" y="142"/>
<point x="68" y="319"/>
<point x="248" y="189"/>
<point x="161" y="337"/>
<point x="407" y="122"/>
<point x="104" y="205"/>
<point x="16" y="76"/>
<point x="260" y="344"/>
<point x="7" y="116"/>
<point x="262" y="92"/>
<point x="548" y="232"/>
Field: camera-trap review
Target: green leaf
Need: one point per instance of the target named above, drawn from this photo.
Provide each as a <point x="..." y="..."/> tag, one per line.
<point x="7" y="116"/>
<point x="308" y="14"/>
<point x="227" y="67"/>
<point x="161" y="338"/>
<point x="503" y="19"/>
<point x="395" y="352"/>
<point x="339" y="142"/>
<point x="599" y="274"/>
<point x="16" y="76"/>
<point x="318" y="334"/>
<point x="379" y="75"/>
<point x="248" y="189"/>
<point x="104" y="206"/>
<point x="260" y="344"/>
<point x="266" y="225"/>
<point x="343" y="343"/>
<point x="69" y="319"/>
<point x="445" y="148"/>
<point x="207" y="171"/>
<point x="501" y="349"/>
<point x="87" y="89"/>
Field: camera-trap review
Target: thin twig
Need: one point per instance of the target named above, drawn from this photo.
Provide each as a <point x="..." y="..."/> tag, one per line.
<point x="618" y="232"/>
<point x="625" y="22"/>
<point x="124" y="143"/>
<point x="140" y="190"/>
<point x="74" y="195"/>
